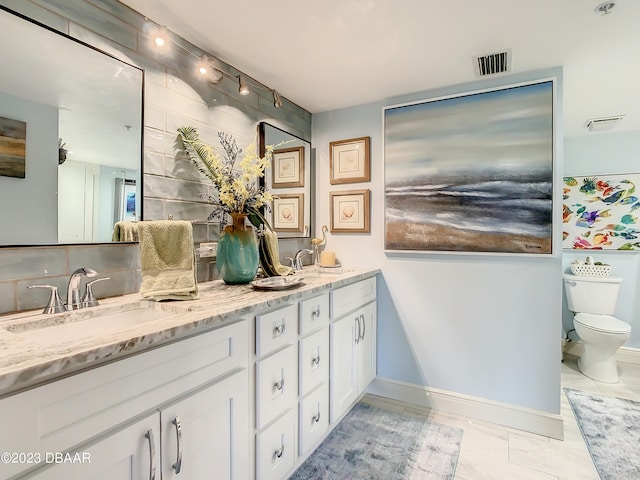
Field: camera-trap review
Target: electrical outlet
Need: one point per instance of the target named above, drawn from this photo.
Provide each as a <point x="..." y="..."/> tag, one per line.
<point x="208" y="249"/>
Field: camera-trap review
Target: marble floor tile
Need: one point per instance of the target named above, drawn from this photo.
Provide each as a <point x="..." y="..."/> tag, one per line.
<point x="494" y="452"/>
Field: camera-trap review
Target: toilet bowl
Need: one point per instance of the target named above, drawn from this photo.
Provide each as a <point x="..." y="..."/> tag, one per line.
<point x="593" y="301"/>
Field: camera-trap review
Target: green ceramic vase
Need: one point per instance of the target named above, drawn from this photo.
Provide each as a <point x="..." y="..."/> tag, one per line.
<point x="237" y="259"/>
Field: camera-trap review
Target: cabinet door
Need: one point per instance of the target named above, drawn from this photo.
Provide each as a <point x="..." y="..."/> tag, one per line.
<point x="314" y="418"/>
<point x="205" y="435"/>
<point x="343" y="386"/>
<point x="366" y="346"/>
<point x="132" y="453"/>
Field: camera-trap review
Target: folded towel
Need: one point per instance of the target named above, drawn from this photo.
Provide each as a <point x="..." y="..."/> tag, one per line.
<point x="167" y="260"/>
<point x="270" y="256"/>
<point x="125" y="232"/>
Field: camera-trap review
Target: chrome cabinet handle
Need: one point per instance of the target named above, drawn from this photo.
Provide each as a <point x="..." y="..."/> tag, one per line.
<point x="316" y="312"/>
<point x="316" y="417"/>
<point x="277" y="454"/>
<point x="571" y="282"/>
<point x="357" y="320"/>
<point x="178" y="465"/>
<point x="279" y="385"/>
<point x="279" y="330"/>
<point x="152" y="454"/>
<point x="364" y="326"/>
<point x="315" y="360"/>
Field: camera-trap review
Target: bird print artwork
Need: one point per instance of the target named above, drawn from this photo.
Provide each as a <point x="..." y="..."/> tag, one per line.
<point x="598" y="212"/>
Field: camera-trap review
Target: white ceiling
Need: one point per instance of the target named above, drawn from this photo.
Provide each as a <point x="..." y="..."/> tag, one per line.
<point x="331" y="54"/>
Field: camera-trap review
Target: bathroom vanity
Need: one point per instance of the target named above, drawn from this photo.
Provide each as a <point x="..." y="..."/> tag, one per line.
<point x="238" y="384"/>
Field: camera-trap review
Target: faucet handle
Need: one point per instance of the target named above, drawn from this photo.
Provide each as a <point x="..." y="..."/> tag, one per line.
<point x="55" y="305"/>
<point x="89" y="300"/>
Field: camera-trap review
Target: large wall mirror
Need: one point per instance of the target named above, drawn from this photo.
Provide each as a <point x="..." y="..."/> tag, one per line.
<point x="289" y="179"/>
<point x="70" y="138"/>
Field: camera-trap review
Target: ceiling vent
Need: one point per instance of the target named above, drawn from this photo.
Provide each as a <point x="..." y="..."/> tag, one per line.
<point x="603" y="123"/>
<point x="493" y="63"/>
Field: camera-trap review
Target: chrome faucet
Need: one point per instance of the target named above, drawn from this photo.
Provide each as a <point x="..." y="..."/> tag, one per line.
<point x="297" y="259"/>
<point x="74" y="301"/>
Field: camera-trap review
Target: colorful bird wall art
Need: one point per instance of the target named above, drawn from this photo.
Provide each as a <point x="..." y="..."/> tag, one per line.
<point x="601" y="212"/>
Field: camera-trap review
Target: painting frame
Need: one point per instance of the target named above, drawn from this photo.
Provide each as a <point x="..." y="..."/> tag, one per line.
<point x="473" y="172"/>
<point x="13" y="146"/>
<point x="357" y="205"/>
<point x="288" y="212"/>
<point x="287" y="167"/>
<point x="598" y="212"/>
<point x="350" y="160"/>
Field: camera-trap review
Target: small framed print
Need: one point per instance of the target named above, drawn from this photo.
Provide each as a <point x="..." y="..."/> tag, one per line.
<point x="288" y="167"/>
<point x="287" y="212"/>
<point x="349" y="161"/>
<point x="350" y="211"/>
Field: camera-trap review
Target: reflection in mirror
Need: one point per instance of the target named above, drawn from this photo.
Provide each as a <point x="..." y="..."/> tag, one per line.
<point x="288" y="179"/>
<point x="82" y="147"/>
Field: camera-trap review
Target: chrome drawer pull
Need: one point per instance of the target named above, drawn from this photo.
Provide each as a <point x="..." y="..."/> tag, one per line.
<point x="279" y="452"/>
<point x="364" y="323"/>
<point x="178" y="465"/>
<point x="315" y="361"/>
<point x="316" y="312"/>
<point x="279" y="330"/>
<point x="152" y="454"/>
<point x="279" y="385"/>
<point x="316" y="418"/>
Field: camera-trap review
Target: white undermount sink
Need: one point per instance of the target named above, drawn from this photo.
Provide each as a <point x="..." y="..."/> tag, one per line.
<point x="87" y="323"/>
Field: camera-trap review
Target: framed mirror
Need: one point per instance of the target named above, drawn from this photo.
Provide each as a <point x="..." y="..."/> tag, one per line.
<point x="70" y="138"/>
<point x="289" y="179"/>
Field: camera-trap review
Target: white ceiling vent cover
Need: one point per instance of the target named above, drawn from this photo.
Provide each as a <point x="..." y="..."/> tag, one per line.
<point x="492" y="64"/>
<point x="603" y="123"/>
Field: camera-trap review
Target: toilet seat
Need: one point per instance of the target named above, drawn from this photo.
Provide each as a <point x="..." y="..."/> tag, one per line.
<point x="602" y="323"/>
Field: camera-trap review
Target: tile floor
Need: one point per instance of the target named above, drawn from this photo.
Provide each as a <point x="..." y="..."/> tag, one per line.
<point x="493" y="452"/>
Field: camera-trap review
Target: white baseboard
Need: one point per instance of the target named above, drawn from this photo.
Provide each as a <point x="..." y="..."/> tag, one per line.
<point x="624" y="354"/>
<point x="521" y="418"/>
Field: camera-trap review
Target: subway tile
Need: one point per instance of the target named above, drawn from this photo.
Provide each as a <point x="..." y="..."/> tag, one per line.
<point x="105" y="257"/>
<point x="32" y="262"/>
<point x="155" y="117"/>
<point x="38" y="13"/>
<point x="153" y="163"/>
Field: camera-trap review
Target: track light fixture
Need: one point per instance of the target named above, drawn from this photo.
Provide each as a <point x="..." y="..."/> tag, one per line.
<point x="207" y="67"/>
<point x="277" y="101"/>
<point x="161" y="36"/>
<point x="243" y="89"/>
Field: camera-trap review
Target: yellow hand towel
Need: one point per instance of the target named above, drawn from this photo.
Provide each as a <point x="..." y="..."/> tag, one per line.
<point x="167" y="260"/>
<point x="271" y="240"/>
<point x="125" y="232"/>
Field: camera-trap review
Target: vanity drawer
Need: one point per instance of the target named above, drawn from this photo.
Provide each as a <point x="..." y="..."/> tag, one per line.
<point x="276" y="385"/>
<point x="275" y="454"/>
<point x="314" y="417"/>
<point x="314" y="313"/>
<point x="314" y="360"/>
<point x="276" y="329"/>
<point x="349" y="298"/>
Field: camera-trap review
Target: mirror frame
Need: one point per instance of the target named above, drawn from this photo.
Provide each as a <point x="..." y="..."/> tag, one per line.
<point x="140" y="169"/>
<point x="308" y="167"/>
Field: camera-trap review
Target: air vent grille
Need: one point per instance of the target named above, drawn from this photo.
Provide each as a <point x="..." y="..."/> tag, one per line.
<point x="603" y="123"/>
<point x="493" y="63"/>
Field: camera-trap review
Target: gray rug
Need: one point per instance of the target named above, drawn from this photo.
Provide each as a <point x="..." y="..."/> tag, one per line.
<point x="371" y="443"/>
<point x="611" y="429"/>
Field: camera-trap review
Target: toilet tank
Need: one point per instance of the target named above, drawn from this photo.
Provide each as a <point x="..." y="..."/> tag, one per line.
<point x="597" y="295"/>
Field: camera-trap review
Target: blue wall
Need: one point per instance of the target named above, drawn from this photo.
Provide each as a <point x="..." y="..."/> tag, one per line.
<point x="488" y="326"/>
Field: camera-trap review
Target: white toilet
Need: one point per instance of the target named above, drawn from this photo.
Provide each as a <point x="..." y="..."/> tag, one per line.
<point x="593" y="302"/>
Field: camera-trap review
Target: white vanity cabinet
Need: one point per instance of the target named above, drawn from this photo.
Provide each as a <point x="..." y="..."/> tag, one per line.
<point x="353" y="344"/>
<point x="202" y="380"/>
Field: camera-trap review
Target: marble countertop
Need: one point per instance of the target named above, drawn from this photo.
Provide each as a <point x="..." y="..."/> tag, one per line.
<point x="28" y="359"/>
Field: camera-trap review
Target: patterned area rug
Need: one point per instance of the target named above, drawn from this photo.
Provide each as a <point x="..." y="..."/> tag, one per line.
<point x="611" y="429"/>
<point x="372" y="443"/>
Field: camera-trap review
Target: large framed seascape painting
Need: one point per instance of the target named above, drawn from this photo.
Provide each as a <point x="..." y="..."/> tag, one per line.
<point x="471" y="173"/>
<point x="600" y="212"/>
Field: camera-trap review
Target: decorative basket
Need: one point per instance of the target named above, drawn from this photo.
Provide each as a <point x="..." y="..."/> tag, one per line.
<point x="590" y="270"/>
